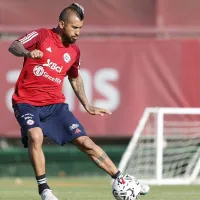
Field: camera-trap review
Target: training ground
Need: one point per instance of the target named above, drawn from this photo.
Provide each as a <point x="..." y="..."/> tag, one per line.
<point x="85" y="188"/>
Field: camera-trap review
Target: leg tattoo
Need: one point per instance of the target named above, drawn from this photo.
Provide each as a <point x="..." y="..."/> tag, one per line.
<point x="101" y="159"/>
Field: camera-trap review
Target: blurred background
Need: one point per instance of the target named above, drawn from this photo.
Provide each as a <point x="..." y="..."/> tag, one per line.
<point x="135" y="54"/>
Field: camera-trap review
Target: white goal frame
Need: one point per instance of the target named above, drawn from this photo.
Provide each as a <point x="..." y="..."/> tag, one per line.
<point x="159" y="180"/>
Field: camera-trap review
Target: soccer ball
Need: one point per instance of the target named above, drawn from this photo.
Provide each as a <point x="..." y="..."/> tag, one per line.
<point x="126" y="188"/>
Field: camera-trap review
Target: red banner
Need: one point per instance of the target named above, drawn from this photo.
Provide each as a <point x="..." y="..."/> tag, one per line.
<point x="125" y="76"/>
<point x="20" y="15"/>
<point x="178" y="13"/>
<point x="105" y="17"/>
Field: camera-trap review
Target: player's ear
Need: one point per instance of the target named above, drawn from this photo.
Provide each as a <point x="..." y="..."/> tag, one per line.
<point x="61" y="24"/>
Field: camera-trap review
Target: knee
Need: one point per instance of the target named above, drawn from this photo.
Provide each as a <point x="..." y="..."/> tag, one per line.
<point x="35" y="136"/>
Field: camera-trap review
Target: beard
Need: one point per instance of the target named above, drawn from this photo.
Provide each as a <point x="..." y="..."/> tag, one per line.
<point x="68" y="40"/>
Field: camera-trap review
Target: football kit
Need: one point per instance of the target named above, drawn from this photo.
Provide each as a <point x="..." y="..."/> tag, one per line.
<point x="38" y="100"/>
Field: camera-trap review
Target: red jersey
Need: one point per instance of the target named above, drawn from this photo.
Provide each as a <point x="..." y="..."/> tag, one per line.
<point x="40" y="81"/>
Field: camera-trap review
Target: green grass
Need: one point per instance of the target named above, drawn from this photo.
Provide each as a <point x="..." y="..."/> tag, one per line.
<point x="95" y="188"/>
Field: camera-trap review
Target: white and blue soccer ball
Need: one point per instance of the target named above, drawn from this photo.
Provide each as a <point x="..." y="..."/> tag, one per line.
<point x="126" y="188"/>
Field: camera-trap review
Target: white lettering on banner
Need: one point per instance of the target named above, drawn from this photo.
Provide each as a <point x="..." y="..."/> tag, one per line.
<point x="87" y="78"/>
<point x="87" y="85"/>
<point x="100" y="83"/>
<point x="53" y="66"/>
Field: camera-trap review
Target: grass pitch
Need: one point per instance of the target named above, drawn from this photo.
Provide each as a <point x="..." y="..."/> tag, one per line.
<point x="94" y="188"/>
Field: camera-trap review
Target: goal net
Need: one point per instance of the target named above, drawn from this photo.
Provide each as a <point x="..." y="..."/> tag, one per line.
<point x="165" y="147"/>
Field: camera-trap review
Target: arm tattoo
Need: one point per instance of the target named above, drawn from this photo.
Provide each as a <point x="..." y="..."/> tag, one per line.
<point x="101" y="159"/>
<point x="78" y="87"/>
<point x="17" y="49"/>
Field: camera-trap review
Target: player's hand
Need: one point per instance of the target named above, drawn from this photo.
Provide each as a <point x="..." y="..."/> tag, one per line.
<point x="35" y="54"/>
<point x="97" y="111"/>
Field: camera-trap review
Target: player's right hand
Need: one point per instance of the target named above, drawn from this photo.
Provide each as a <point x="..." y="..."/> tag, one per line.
<point x="35" y="54"/>
<point x="97" y="111"/>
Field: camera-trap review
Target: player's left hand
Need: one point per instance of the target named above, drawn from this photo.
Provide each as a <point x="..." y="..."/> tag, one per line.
<point x="97" y="111"/>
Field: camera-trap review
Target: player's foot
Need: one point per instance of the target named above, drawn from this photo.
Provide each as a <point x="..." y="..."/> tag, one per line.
<point x="144" y="189"/>
<point x="48" y="195"/>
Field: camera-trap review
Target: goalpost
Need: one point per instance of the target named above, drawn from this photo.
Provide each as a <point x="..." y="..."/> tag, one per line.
<point x="165" y="147"/>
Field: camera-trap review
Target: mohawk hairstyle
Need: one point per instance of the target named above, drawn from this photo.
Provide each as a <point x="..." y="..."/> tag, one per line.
<point x="75" y="7"/>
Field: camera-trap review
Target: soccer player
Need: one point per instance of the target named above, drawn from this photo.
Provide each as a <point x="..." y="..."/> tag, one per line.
<point x="38" y="101"/>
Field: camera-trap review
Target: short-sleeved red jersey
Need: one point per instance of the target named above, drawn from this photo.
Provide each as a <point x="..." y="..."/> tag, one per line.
<point x="40" y="81"/>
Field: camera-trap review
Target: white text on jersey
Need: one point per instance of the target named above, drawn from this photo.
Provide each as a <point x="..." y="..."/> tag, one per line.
<point x="53" y="66"/>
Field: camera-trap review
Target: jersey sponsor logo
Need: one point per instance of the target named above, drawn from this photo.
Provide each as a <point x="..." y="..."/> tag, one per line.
<point x="56" y="80"/>
<point x="67" y="57"/>
<point x="73" y="126"/>
<point x="28" y="37"/>
<point x="53" y="66"/>
<point x="39" y="71"/>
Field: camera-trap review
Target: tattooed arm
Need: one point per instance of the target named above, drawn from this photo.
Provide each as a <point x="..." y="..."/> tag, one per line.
<point x="78" y="87"/>
<point x="17" y="49"/>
